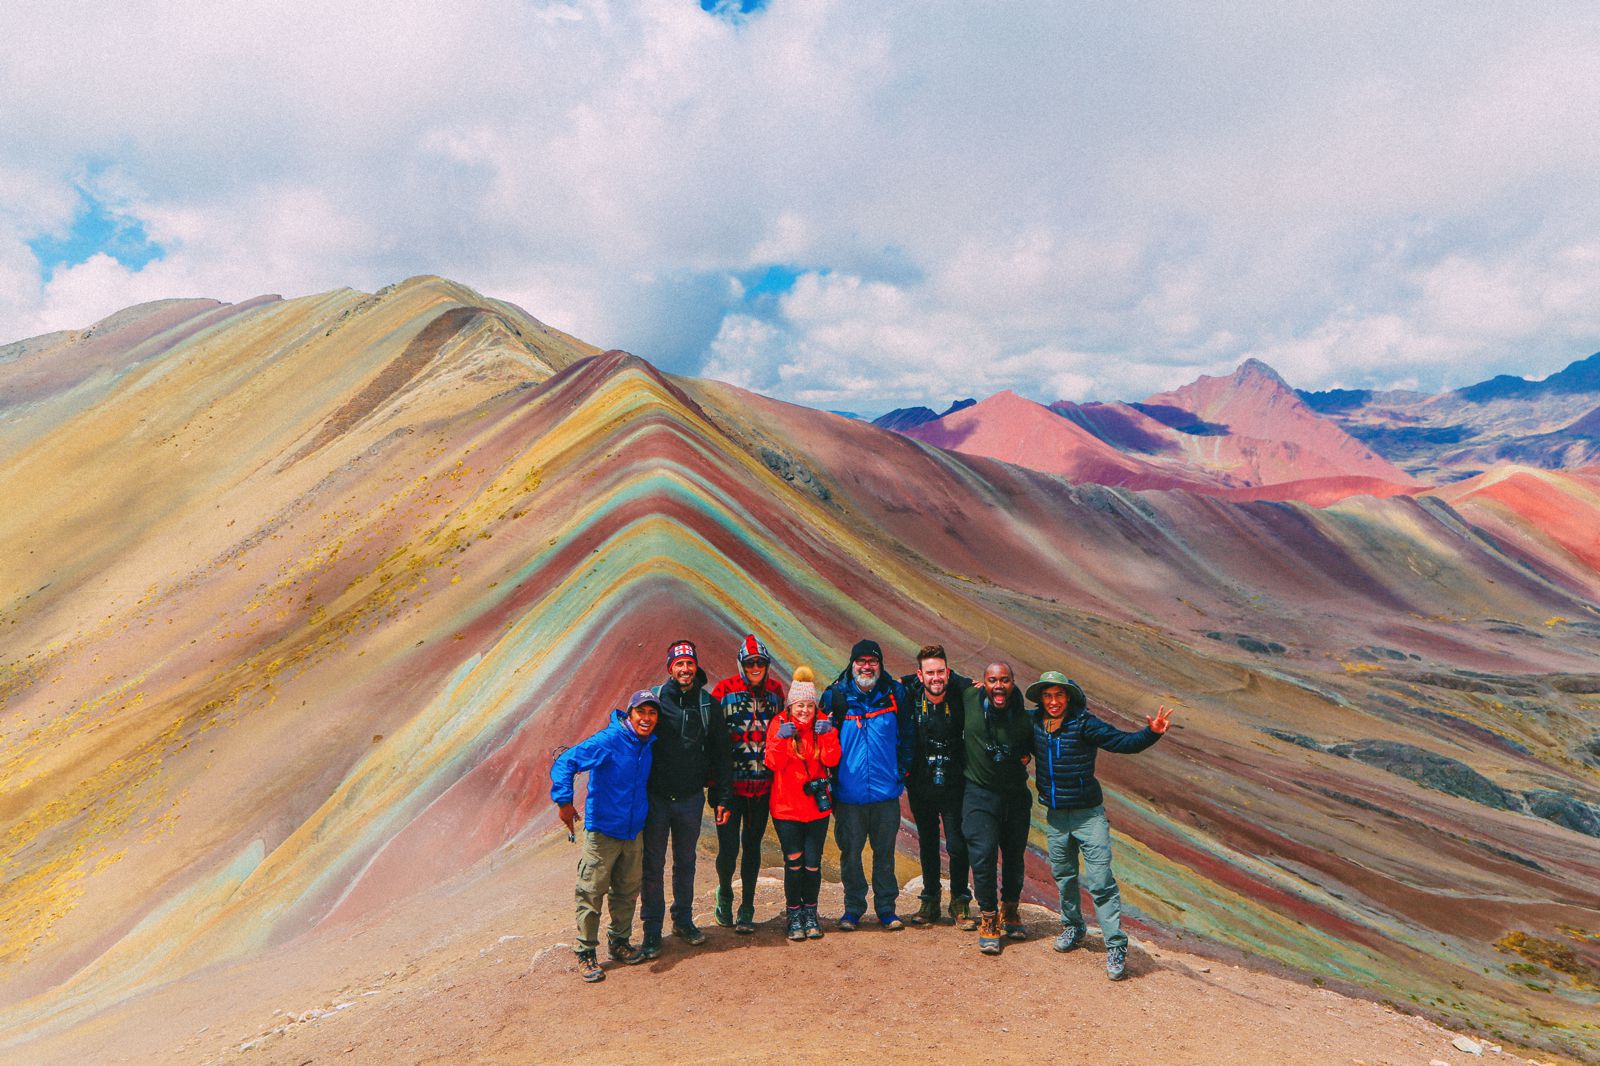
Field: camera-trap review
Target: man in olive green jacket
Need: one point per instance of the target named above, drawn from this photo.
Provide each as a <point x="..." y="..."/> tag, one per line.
<point x="998" y="805"/>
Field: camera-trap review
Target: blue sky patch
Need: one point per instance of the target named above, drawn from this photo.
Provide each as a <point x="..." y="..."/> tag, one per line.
<point x="732" y="10"/>
<point x="774" y="279"/>
<point x="96" y="228"/>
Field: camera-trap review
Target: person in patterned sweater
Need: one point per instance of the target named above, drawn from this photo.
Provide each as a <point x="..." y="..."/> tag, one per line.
<point x="750" y="700"/>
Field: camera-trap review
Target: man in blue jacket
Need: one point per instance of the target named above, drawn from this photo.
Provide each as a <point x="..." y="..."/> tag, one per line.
<point x="1065" y="739"/>
<point x="872" y="714"/>
<point x="617" y="760"/>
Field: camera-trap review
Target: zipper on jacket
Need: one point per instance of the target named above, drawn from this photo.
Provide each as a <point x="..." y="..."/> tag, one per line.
<point x="1050" y="755"/>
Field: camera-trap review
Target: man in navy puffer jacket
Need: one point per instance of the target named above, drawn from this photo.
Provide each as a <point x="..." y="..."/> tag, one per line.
<point x="1066" y="738"/>
<point x="617" y="760"/>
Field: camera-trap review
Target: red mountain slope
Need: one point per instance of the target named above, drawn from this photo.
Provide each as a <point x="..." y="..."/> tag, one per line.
<point x="1017" y="430"/>
<point x="1259" y="431"/>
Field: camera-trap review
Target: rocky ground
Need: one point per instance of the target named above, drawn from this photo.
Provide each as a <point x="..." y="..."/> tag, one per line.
<point x="481" y="971"/>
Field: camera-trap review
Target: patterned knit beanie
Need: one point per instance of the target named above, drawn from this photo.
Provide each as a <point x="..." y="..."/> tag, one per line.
<point x="803" y="688"/>
<point x="751" y="648"/>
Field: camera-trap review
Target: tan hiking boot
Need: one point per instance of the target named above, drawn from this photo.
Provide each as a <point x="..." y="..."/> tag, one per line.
<point x="1013" y="921"/>
<point x="989" y="933"/>
<point x="589" y="967"/>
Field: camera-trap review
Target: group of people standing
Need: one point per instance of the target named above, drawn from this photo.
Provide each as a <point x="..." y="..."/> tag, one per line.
<point x="959" y="749"/>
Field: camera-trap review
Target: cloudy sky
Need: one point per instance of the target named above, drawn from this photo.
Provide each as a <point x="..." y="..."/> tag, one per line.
<point x="852" y="205"/>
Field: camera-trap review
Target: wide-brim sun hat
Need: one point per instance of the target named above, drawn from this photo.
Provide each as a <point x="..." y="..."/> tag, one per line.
<point x="1075" y="697"/>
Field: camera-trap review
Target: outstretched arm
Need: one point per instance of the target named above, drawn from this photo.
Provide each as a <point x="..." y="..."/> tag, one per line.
<point x="1108" y="737"/>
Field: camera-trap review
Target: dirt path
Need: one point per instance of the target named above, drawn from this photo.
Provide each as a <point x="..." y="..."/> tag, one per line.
<point x="482" y="972"/>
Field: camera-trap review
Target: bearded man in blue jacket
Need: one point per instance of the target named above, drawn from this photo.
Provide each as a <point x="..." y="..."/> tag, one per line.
<point x="872" y="714"/>
<point x="617" y="760"/>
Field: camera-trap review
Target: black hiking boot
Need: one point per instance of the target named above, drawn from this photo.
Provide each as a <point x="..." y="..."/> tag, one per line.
<point x="797" y="925"/>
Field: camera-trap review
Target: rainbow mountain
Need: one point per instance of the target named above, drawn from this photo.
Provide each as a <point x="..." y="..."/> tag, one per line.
<point x="299" y="597"/>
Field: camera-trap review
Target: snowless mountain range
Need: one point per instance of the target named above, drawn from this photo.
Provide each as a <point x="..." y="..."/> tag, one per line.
<point x="299" y="597"/>
<point x="1251" y="430"/>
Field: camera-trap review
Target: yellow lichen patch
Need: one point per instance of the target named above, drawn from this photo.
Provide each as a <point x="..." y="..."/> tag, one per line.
<point x="1551" y="954"/>
<point x="1360" y="668"/>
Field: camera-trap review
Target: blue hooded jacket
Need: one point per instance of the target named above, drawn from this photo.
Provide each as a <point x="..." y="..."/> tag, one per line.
<point x="618" y="764"/>
<point x="876" y="737"/>
<point x="1064" y="760"/>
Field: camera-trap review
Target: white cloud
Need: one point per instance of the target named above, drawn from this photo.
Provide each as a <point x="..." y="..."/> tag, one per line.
<point x="1069" y="200"/>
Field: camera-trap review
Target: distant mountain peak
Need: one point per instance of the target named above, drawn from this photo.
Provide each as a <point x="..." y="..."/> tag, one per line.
<point x="1255" y="368"/>
<point x="904" y="418"/>
<point x="1580" y="376"/>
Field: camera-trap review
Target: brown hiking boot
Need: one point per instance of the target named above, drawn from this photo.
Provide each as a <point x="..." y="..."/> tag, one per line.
<point x="927" y="913"/>
<point x="589" y="967"/>
<point x="1013" y="921"/>
<point x="621" y="950"/>
<point x="989" y="933"/>
<point x="961" y="914"/>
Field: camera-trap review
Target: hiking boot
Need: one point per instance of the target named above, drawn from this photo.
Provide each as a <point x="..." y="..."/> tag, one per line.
<point x="747" y="919"/>
<point x="848" y="922"/>
<point x="891" y="922"/>
<point x="797" y="924"/>
<point x="589" y="967"/>
<point x="989" y="933"/>
<point x="927" y="913"/>
<point x="1071" y="936"/>
<point x="722" y="911"/>
<point x="650" y="947"/>
<point x="689" y="933"/>
<point x="961" y="914"/>
<point x="621" y="951"/>
<point x="1116" y="963"/>
<point x="808" y="917"/>
<point x="1013" y="921"/>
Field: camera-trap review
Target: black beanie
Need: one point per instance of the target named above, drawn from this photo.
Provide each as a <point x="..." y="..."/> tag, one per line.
<point x="867" y="647"/>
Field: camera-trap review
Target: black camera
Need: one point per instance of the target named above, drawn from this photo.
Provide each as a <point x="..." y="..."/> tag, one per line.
<point x="817" y="788"/>
<point x="939" y="760"/>
<point x="999" y="753"/>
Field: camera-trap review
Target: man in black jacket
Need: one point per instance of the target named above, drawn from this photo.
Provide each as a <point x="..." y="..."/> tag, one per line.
<point x="692" y="759"/>
<point x="937" y="784"/>
<point x="1065" y="739"/>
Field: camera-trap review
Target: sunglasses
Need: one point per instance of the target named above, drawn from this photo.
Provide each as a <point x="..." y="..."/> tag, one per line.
<point x="756" y="662"/>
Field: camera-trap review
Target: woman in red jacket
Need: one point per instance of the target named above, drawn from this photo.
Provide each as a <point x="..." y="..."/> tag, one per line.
<point x="800" y="750"/>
